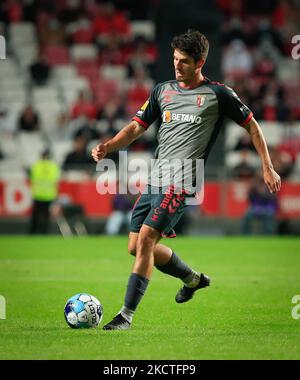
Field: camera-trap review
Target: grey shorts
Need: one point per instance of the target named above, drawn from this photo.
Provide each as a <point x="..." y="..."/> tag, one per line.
<point x="161" y="211"/>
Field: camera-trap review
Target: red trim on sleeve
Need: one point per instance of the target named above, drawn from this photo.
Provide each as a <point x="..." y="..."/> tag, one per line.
<point x="143" y="124"/>
<point x="248" y="119"/>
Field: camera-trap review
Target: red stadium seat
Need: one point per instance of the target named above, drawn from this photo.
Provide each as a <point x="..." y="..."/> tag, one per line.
<point x="103" y="90"/>
<point x="83" y="36"/>
<point x="56" y="54"/>
<point x="138" y="94"/>
<point x="90" y="70"/>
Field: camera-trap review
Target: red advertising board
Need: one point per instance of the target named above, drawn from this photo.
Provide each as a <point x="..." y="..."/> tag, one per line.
<point x="220" y="199"/>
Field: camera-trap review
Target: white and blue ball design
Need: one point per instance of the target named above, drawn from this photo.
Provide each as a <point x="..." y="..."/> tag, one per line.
<point x="83" y="311"/>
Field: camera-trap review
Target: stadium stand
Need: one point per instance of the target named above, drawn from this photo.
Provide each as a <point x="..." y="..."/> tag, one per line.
<point x="257" y="45"/>
<point x="75" y="43"/>
<point x="101" y="58"/>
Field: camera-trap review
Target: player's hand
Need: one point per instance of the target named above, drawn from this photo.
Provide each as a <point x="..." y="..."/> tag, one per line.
<point x="99" y="152"/>
<point x="272" y="180"/>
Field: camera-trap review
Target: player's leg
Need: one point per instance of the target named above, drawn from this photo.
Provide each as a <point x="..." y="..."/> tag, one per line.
<point x="34" y="219"/>
<point x="139" y="278"/>
<point x="166" y="261"/>
<point x="144" y="260"/>
<point x="141" y="209"/>
<point x="166" y="211"/>
<point x="162" y="253"/>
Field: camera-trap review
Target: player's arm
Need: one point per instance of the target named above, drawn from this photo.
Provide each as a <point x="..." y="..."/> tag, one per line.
<point x="271" y="178"/>
<point x="147" y="114"/>
<point x="125" y="137"/>
<point x="232" y="107"/>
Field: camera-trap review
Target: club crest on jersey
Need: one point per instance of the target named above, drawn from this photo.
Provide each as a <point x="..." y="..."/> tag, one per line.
<point x="200" y="100"/>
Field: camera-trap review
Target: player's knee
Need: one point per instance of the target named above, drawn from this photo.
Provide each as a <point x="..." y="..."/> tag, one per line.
<point x="145" y="242"/>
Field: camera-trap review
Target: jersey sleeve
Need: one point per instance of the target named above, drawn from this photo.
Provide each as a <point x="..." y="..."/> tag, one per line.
<point x="150" y="110"/>
<point x="233" y="108"/>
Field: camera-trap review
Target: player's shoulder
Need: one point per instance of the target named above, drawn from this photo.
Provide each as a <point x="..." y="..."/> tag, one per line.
<point x="217" y="86"/>
<point x="220" y="89"/>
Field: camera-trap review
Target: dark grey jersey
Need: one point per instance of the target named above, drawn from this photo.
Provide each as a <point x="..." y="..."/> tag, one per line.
<point x="190" y="120"/>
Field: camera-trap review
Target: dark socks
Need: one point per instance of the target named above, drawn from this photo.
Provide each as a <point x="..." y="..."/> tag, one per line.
<point x="136" y="288"/>
<point x="137" y="284"/>
<point x="176" y="268"/>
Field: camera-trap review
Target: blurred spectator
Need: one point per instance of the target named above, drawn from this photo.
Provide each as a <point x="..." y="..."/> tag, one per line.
<point x="265" y="67"/>
<point x="237" y="61"/>
<point x="266" y="50"/>
<point x="265" y="32"/>
<point x="83" y="106"/>
<point x="296" y="108"/>
<point x="233" y="30"/>
<point x="139" y="87"/>
<point x="30" y="9"/>
<point x="113" y="110"/>
<point x="271" y="103"/>
<point x="63" y="120"/>
<point x="44" y="176"/>
<point x="282" y="162"/>
<point x="274" y="88"/>
<point x="242" y="88"/>
<point x="262" y="208"/>
<point x="81" y="31"/>
<point x="140" y="58"/>
<point x="53" y="33"/>
<point x="78" y="159"/>
<point x="111" y="52"/>
<point x="110" y="21"/>
<point x="29" y="120"/>
<point x="40" y="71"/>
<point x="244" y="143"/>
<point x="70" y="11"/>
<point x="232" y="8"/>
<point x="290" y="146"/>
<point x="70" y="217"/>
<point x="121" y="215"/>
<point x="14" y="10"/>
<point x="244" y="170"/>
<point x="87" y="131"/>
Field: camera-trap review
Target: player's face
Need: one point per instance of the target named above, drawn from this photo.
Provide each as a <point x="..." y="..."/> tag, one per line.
<point x="186" y="69"/>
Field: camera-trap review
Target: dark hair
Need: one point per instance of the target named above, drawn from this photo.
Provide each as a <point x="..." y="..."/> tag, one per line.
<point x="192" y="43"/>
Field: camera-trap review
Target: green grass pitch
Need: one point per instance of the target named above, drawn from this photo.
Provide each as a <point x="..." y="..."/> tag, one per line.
<point x="245" y="314"/>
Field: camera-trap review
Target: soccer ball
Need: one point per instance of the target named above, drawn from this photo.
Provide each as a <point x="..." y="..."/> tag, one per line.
<point x="83" y="311"/>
